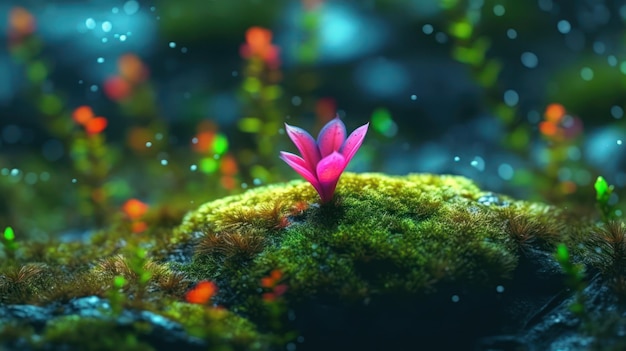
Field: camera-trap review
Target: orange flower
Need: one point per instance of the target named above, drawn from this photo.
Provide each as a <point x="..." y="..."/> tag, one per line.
<point x="202" y="292"/>
<point x="84" y="116"/>
<point x="96" y="125"/>
<point x="271" y="280"/>
<point x="228" y="166"/>
<point x="138" y="226"/>
<point x="259" y="44"/>
<point x="554" y="113"/>
<point x="134" y="209"/>
<point x="132" y="69"/>
<point x="21" y="22"/>
<point x="117" y="88"/>
<point x="204" y="141"/>
<point x="559" y="125"/>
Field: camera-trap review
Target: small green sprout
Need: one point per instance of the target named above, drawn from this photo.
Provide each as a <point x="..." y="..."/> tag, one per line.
<point x="137" y="264"/>
<point x="116" y="296"/>
<point x="574" y="278"/>
<point x="603" y="195"/>
<point x="8" y="242"/>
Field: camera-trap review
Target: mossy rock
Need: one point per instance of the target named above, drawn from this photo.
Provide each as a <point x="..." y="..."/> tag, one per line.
<point x="414" y="244"/>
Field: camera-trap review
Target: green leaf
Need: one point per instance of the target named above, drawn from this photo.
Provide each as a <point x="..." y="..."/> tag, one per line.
<point x="602" y="187"/>
<point x="9" y="234"/>
<point x="562" y="254"/>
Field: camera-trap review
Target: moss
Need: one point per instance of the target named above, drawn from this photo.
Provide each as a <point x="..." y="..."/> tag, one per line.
<point x="382" y="234"/>
<point x="93" y="334"/>
<point x="222" y="328"/>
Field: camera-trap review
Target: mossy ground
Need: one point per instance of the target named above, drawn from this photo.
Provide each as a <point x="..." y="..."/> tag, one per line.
<point x="382" y="236"/>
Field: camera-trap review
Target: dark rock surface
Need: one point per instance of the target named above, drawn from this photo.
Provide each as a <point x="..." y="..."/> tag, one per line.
<point x="162" y="334"/>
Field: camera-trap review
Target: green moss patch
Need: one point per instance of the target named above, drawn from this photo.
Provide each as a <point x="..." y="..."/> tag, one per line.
<point x="382" y="234"/>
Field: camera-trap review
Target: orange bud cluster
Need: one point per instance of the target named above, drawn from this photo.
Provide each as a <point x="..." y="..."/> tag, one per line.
<point x="558" y="125"/>
<point x="84" y="116"/>
<point x="259" y="44"/>
<point x="272" y="282"/>
<point x="135" y="210"/>
<point x="131" y="72"/>
<point x="201" y="293"/>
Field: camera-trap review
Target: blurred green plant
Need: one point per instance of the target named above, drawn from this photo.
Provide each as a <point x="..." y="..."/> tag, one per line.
<point x="603" y="198"/>
<point x="574" y="279"/>
<point x="260" y="94"/>
<point x="9" y="244"/>
<point x="116" y="296"/>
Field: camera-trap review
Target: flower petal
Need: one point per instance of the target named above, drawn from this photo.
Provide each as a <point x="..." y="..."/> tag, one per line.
<point x="305" y="144"/>
<point x="331" y="137"/>
<point x="353" y="143"/>
<point x="300" y="166"/>
<point x="328" y="171"/>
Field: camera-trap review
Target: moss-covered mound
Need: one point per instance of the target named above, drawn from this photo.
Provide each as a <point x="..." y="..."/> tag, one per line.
<point x="391" y="260"/>
<point x="382" y="234"/>
<point x="384" y="238"/>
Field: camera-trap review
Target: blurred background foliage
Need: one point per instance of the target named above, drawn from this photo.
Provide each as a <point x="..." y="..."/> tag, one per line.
<point x="115" y="109"/>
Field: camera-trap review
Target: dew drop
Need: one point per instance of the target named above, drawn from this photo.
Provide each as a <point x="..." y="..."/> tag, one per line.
<point x="172" y="44"/>
<point x="511" y="98"/>
<point x="617" y="112"/>
<point x="564" y="26"/>
<point x="90" y="23"/>
<point x="413" y="97"/>
<point x="505" y="171"/>
<point x="428" y="29"/>
<point x="107" y="26"/>
<point x="529" y="59"/>
<point x="478" y="163"/>
<point x="441" y="37"/>
<point x="511" y="33"/>
<point x="599" y="47"/>
<point x="499" y="10"/>
<point x="131" y="7"/>
<point x="586" y="73"/>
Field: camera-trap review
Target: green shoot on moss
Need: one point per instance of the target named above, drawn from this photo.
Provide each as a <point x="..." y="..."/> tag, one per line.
<point x="116" y="296"/>
<point x="8" y="242"/>
<point x="138" y="266"/>
<point x="574" y="279"/>
<point x="603" y="196"/>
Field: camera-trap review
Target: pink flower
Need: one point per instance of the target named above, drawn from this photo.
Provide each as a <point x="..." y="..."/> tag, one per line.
<point x="324" y="160"/>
